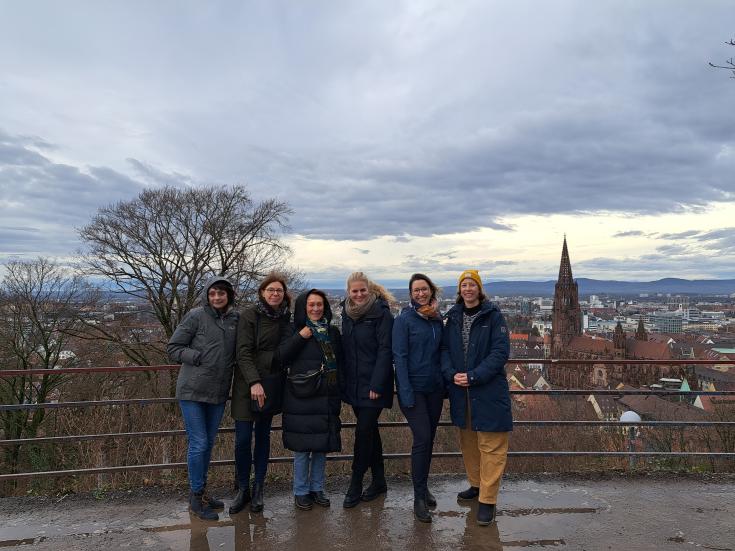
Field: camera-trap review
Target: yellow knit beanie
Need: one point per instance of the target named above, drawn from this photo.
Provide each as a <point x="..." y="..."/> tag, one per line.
<point x="474" y="275"/>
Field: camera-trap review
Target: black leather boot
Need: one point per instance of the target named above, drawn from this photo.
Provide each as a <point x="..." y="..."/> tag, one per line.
<point x="256" y="503"/>
<point x="201" y="509"/>
<point x="485" y="513"/>
<point x="469" y="494"/>
<point x="241" y="499"/>
<point x="214" y="503"/>
<point x="354" y="492"/>
<point x="420" y="510"/>
<point x="430" y="499"/>
<point x="377" y="484"/>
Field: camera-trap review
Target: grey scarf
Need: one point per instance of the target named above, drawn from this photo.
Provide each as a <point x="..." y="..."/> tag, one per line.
<point x="356" y="311"/>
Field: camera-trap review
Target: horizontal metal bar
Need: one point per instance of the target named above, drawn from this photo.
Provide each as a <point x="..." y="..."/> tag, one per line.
<point x="512" y="361"/>
<point x="387" y="424"/>
<point x="550" y="392"/>
<point x="7" y="373"/>
<point x="88" y="403"/>
<point x="288" y="459"/>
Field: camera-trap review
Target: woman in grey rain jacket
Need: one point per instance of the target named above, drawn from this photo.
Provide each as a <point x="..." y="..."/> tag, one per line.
<point x="204" y="344"/>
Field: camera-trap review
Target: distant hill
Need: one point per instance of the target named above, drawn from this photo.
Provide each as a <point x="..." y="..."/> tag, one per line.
<point x="604" y="287"/>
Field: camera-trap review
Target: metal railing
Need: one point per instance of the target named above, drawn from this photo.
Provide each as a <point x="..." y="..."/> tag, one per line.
<point x="56" y="440"/>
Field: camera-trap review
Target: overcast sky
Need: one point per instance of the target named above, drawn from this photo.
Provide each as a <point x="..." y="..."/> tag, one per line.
<point x="406" y="136"/>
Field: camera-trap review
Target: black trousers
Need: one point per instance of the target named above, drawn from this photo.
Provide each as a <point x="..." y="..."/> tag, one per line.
<point x="368" y="452"/>
<point x="423" y="418"/>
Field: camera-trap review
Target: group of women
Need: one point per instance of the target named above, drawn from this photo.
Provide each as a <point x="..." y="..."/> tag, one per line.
<point x="306" y="367"/>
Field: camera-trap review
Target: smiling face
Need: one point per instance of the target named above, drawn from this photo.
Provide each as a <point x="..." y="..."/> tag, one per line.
<point x="217" y="298"/>
<point x="470" y="292"/>
<point x="273" y="294"/>
<point x="421" y="292"/>
<point x="359" y="292"/>
<point x="315" y="307"/>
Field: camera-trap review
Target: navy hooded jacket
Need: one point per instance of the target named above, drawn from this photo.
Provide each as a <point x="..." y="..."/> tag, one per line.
<point x="487" y="352"/>
<point x="416" y="355"/>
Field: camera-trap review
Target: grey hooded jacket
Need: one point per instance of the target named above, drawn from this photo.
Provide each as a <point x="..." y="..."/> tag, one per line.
<point x="204" y="344"/>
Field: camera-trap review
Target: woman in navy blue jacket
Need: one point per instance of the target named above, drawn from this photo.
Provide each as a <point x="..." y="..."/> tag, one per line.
<point x="417" y="333"/>
<point x="367" y="384"/>
<point x="474" y="351"/>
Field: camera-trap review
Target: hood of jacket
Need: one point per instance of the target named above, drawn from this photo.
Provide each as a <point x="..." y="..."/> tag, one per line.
<point x="299" y="312"/>
<point x="208" y="284"/>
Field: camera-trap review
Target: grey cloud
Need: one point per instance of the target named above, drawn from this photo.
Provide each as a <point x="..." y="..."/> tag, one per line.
<point x="362" y="251"/>
<point x="631" y="233"/>
<point x="43" y="202"/>
<point x="680" y="235"/>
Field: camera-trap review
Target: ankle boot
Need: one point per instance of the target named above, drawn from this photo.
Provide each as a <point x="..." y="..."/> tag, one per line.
<point x="256" y="504"/>
<point x="241" y="499"/>
<point x="430" y="499"/>
<point x="485" y="513"/>
<point x="199" y="508"/>
<point x="354" y="492"/>
<point x="377" y="484"/>
<point x="420" y="510"/>
<point x="214" y="503"/>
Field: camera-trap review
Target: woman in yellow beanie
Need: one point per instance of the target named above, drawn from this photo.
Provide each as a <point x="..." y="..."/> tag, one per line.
<point x="475" y="347"/>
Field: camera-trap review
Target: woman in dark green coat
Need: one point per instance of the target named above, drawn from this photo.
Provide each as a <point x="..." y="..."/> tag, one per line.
<point x="258" y="335"/>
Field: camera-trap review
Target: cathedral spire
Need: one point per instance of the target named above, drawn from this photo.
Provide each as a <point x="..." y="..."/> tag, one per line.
<point x="566" y="315"/>
<point x="641" y="334"/>
<point x="565" y="267"/>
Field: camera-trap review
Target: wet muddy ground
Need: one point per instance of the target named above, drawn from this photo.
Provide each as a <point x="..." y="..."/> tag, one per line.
<point x="620" y="514"/>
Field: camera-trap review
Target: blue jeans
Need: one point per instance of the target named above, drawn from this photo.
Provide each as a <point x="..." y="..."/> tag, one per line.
<point x="307" y="480"/>
<point x="202" y="423"/>
<point x="245" y="456"/>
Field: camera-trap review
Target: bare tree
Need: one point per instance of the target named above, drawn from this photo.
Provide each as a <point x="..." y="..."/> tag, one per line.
<point x="38" y="310"/>
<point x="160" y="247"/>
<point x="730" y="64"/>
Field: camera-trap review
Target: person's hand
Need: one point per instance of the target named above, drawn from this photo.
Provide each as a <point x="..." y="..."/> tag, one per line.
<point x="305" y="332"/>
<point x="257" y="393"/>
<point x="460" y="379"/>
<point x="374" y="395"/>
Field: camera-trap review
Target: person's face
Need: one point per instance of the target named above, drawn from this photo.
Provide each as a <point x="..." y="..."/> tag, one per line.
<point x="217" y="298"/>
<point x="359" y="292"/>
<point x="421" y="292"/>
<point x="273" y="294"/>
<point x="315" y="307"/>
<point x="470" y="292"/>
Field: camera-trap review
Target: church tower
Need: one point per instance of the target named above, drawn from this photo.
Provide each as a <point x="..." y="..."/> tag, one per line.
<point x="566" y="320"/>
<point x="619" y="342"/>
<point x="641" y="334"/>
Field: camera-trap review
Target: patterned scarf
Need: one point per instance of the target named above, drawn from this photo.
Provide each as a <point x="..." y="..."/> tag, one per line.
<point x="267" y="310"/>
<point x="320" y="331"/>
<point x="427" y="311"/>
<point x="356" y="311"/>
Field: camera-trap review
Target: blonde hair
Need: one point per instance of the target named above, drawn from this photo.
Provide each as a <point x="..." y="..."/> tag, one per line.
<point x="373" y="287"/>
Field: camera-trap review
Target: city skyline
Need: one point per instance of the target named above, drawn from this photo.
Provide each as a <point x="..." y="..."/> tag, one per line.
<point x="406" y="136"/>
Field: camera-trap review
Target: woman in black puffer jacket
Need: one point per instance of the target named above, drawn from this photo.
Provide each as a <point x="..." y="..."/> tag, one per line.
<point x="367" y="324"/>
<point x="311" y="424"/>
